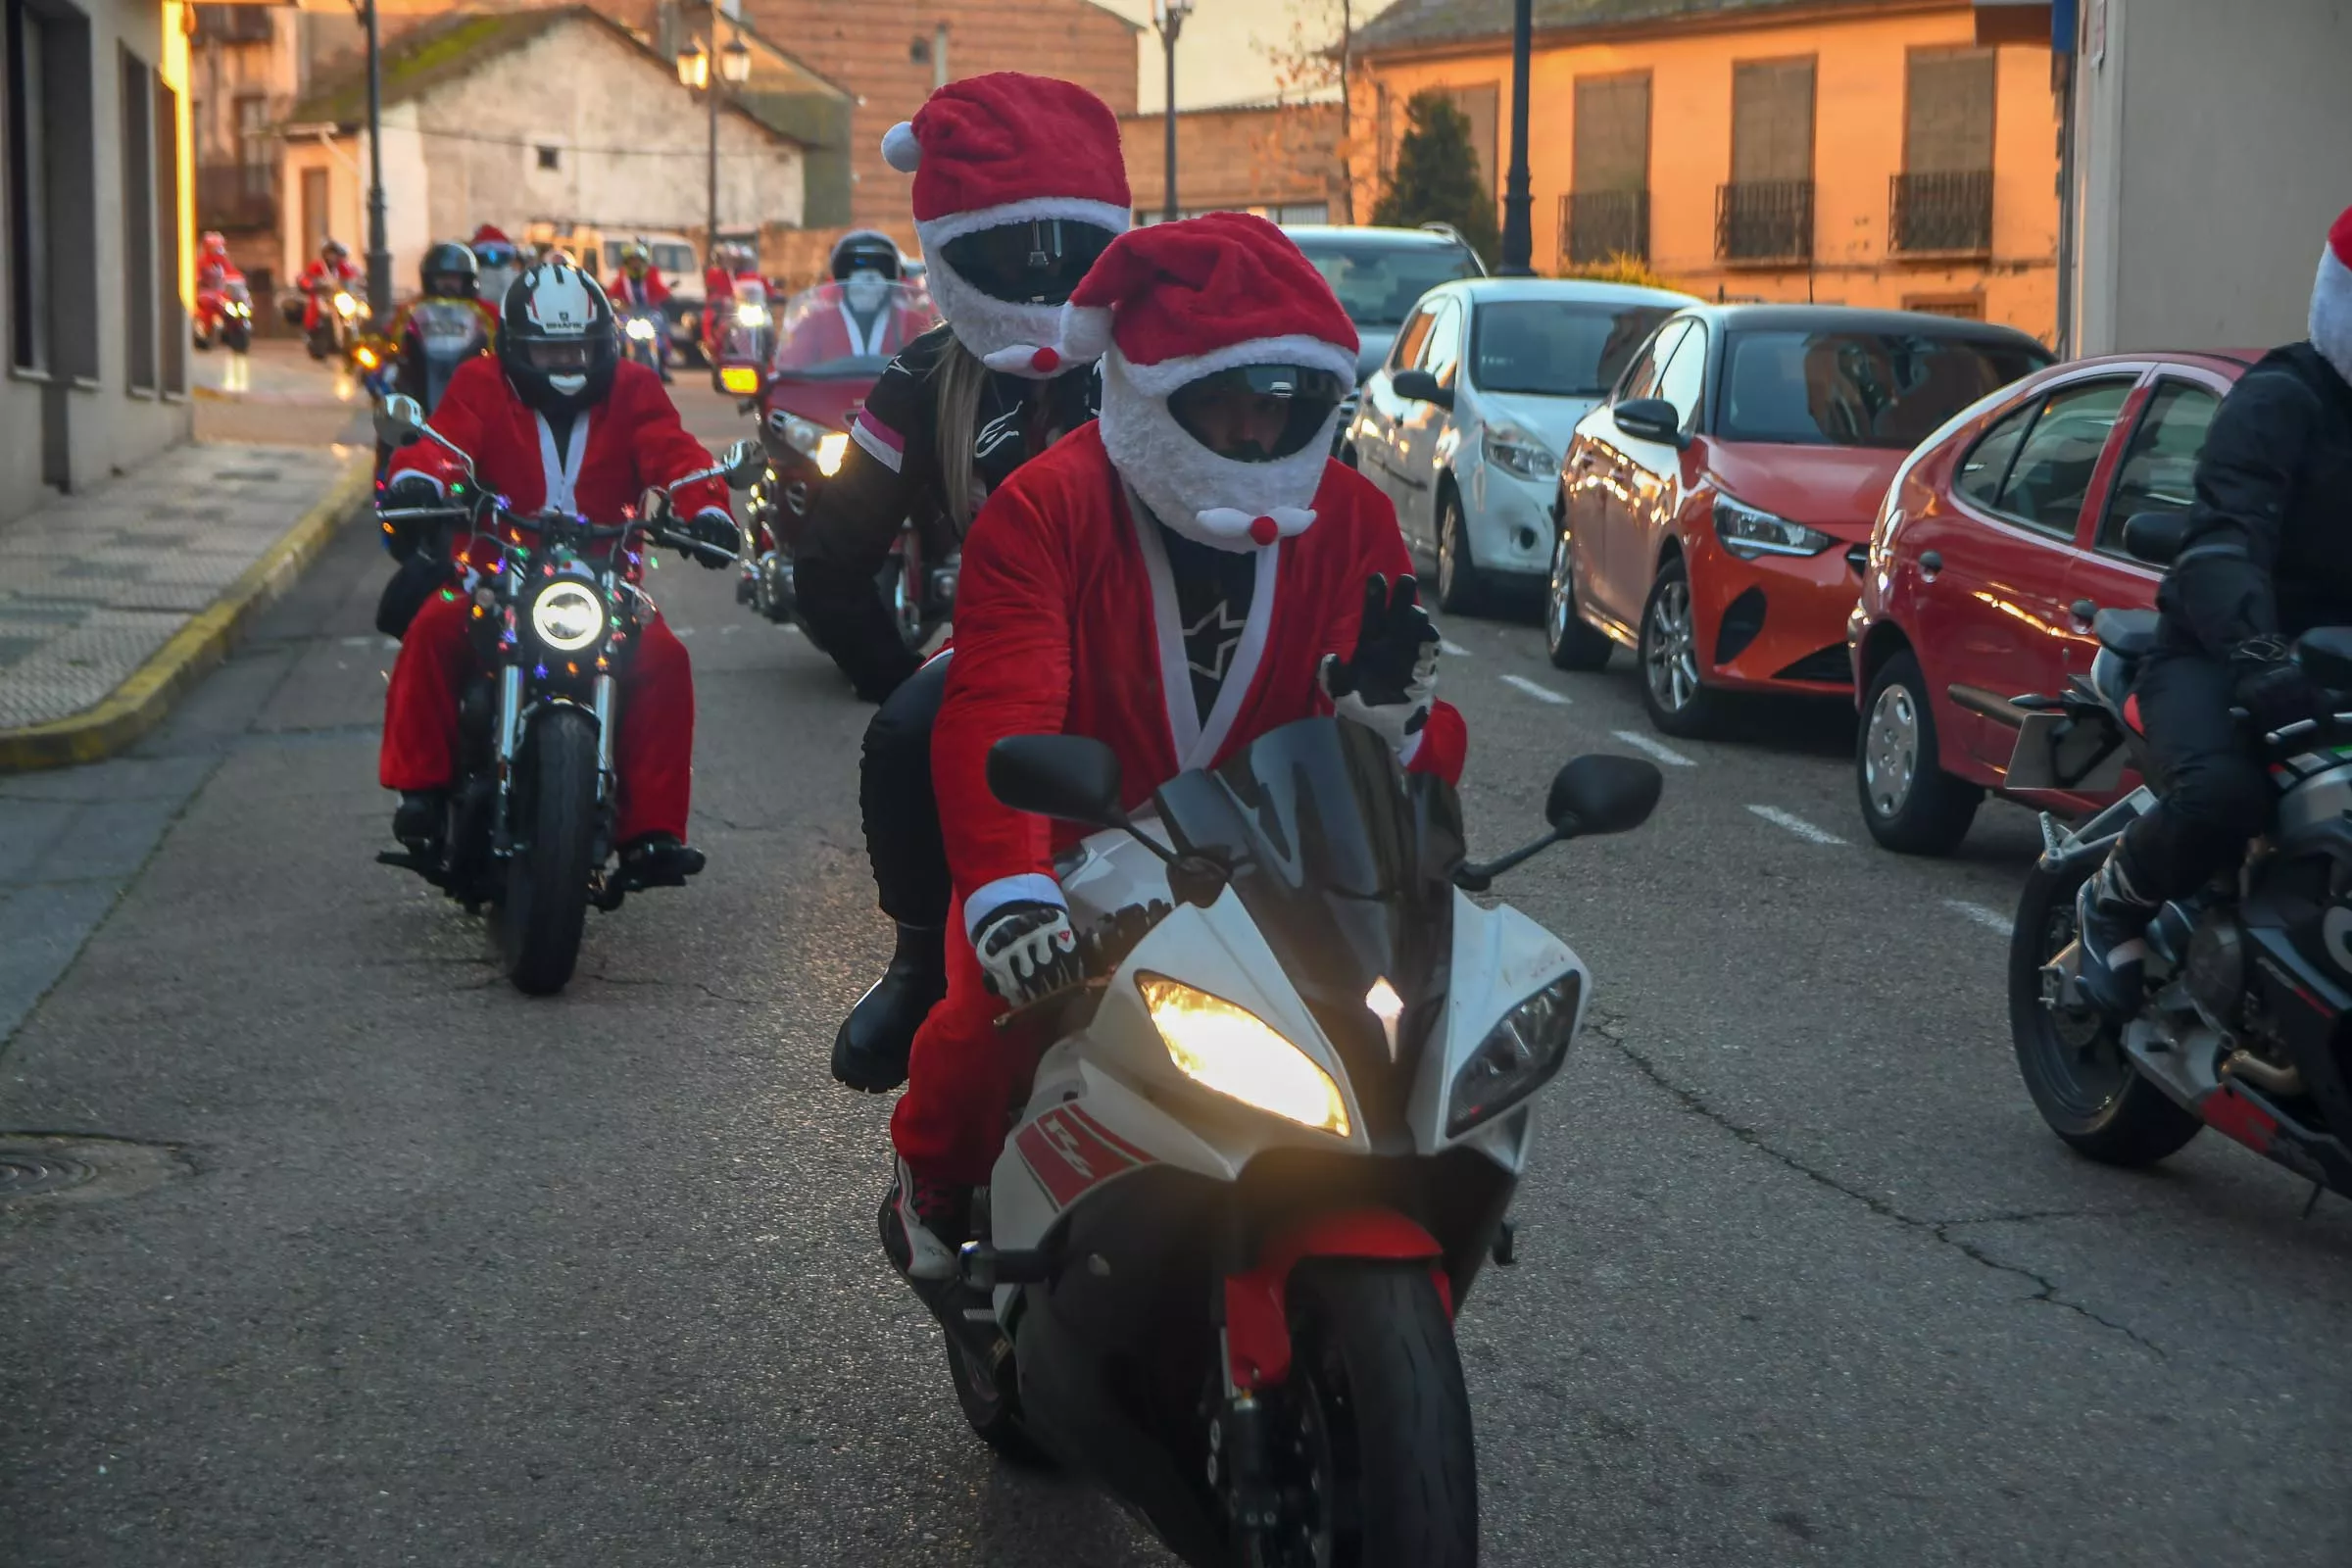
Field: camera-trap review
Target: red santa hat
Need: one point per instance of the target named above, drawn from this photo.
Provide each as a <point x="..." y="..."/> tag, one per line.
<point x="2332" y="297"/>
<point x="999" y="148"/>
<point x="1170" y="304"/>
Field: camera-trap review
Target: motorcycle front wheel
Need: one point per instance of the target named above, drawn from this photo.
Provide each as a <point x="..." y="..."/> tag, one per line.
<point x="2074" y="1062"/>
<point x="1375" y="1434"/>
<point x="540" y="918"/>
<point x="236" y="338"/>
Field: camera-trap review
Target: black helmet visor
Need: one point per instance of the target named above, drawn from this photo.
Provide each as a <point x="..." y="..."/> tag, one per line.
<point x="1257" y="412"/>
<point x="1027" y="264"/>
<point x="558" y="355"/>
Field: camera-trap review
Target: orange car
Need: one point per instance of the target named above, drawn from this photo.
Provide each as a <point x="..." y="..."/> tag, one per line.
<point x="1713" y="515"/>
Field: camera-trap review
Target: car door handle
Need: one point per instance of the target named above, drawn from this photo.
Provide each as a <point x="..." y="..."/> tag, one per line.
<point x="1930" y="564"/>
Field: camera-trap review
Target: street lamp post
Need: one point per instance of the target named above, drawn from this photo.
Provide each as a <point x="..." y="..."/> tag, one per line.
<point x="1169" y="17"/>
<point x="379" y="250"/>
<point x="1518" y="202"/>
<point x="693" y="72"/>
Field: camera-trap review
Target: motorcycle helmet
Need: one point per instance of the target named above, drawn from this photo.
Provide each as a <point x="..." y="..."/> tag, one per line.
<point x="331" y="250"/>
<point x="212" y="246"/>
<point x="637" y="259"/>
<point x="865" y="250"/>
<point x="556" y="339"/>
<point x="449" y="271"/>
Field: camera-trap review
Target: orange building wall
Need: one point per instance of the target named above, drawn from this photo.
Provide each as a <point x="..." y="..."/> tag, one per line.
<point x="1859" y="75"/>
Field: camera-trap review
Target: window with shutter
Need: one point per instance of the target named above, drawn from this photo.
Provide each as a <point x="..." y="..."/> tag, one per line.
<point x="1942" y="200"/>
<point x="1766" y="213"/>
<point x="1608" y="209"/>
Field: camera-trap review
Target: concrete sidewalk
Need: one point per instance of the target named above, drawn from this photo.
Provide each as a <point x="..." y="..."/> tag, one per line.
<point x="113" y="601"/>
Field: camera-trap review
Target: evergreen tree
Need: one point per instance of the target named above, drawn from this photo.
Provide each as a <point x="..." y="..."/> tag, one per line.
<point x="1438" y="179"/>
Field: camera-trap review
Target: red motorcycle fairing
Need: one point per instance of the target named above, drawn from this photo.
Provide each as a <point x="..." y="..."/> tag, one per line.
<point x="1257" y="1319"/>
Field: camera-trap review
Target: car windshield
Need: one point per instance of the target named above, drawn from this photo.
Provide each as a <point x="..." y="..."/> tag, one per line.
<point x="1859" y="389"/>
<point x="1557" y="347"/>
<point x="1379" y="284"/>
<point x="674" y="258"/>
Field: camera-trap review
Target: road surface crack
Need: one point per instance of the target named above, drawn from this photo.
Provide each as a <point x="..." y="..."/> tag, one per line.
<point x="2045" y="1290"/>
<point x="660" y="982"/>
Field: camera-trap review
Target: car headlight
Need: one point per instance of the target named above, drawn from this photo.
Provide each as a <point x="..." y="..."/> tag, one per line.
<point x="751" y="314"/>
<point x="568" y="616"/>
<point x="1514" y="451"/>
<point x="1234" y="1052"/>
<point x="831" y="448"/>
<point x="1516" y="1058"/>
<point x="1749" y="532"/>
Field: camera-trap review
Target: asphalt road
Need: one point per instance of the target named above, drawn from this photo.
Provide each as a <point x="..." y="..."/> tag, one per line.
<point x="401" y="1267"/>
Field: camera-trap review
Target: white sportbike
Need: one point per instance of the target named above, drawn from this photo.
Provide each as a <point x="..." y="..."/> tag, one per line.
<point x="1269" y="1147"/>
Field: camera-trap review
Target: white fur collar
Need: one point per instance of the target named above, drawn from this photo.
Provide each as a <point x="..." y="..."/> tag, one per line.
<point x="1213" y="500"/>
<point x="2332" y="313"/>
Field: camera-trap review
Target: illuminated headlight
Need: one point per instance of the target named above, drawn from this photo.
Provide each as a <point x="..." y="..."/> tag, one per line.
<point x="345" y="304"/>
<point x="366" y="356"/>
<point x="1232" y="1050"/>
<point x="1516" y="1058"/>
<point x="751" y="314"/>
<point x="568" y="616"/>
<point x="641" y="329"/>
<point x="1514" y="451"/>
<point x="239" y="308"/>
<point x="830" y="451"/>
<point x="1748" y="532"/>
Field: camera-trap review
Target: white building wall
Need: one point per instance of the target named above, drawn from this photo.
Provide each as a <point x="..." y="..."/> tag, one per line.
<point x="2212" y="147"/>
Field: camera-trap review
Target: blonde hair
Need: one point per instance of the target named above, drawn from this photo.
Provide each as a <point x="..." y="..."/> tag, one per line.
<point x="960" y="375"/>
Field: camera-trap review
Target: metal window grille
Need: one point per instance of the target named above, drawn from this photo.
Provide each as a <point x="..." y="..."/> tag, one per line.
<point x="1597" y="224"/>
<point x="1764" y="221"/>
<point x="1941" y="212"/>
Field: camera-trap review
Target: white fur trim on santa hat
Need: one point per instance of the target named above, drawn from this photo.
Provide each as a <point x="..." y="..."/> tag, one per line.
<point x="900" y="150"/>
<point x="1216" y="500"/>
<point x="1023" y="340"/>
<point x="2332" y="311"/>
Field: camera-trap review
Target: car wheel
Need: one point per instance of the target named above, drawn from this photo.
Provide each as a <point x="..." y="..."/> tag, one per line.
<point x="1909" y="803"/>
<point x="1669" y="654"/>
<point x="1572" y="643"/>
<point x="1459" y="591"/>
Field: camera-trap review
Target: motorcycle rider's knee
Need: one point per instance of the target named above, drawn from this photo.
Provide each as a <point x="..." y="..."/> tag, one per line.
<point x="2225" y="798"/>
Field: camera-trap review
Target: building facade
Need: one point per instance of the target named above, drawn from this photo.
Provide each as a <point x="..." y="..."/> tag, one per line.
<point x="1279" y="160"/>
<point x="98" y="262"/>
<point x="1857" y="152"/>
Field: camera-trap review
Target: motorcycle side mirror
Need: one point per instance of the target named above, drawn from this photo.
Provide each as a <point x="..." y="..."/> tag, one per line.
<point x="1603" y="794"/>
<point x="400" y="420"/>
<point x="745" y="461"/>
<point x="1072" y="778"/>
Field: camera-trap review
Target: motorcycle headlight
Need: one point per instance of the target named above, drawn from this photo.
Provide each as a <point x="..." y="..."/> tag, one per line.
<point x="568" y="616"/>
<point x="345" y="304"/>
<point x="366" y="357"/>
<point x="831" y="448"/>
<point x="1516" y="1058"/>
<point x="751" y="314"/>
<point x="1233" y="1051"/>
<point x="1751" y="531"/>
<point x="1514" y="451"/>
<point x="641" y="329"/>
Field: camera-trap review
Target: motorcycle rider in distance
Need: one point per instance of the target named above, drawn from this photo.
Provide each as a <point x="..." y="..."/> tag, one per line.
<point x="2263" y="561"/>
<point x="1020" y="185"/>
<point x="1278" y="587"/>
<point x="445" y="325"/>
<point x="331" y="270"/>
<point x="639" y="288"/>
<point x="729" y="261"/>
<point x="499" y="260"/>
<point x="213" y="266"/>
<point x="556" y="420"/>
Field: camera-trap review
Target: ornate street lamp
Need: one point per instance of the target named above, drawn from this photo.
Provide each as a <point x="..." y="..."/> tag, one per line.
<point x="1169" y="17"/>
<point x="694" y="73"/>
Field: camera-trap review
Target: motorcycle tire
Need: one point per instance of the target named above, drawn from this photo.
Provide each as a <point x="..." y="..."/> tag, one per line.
<point x="991" y="1407"/>
<point x="2074" y="1065"/>
<point x="200" y="339"/>
<point x="1379" y="1410"/>
<point x="540" y="918"/>
<point x="320" y="344"/>
<point x="236" y="338"/>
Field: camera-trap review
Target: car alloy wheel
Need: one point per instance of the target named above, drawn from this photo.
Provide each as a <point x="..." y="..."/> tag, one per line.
<point x="1670" y="653"/>
<point x="1458" y="583"/>
<point x="1571" y="643"/>
<point x="1891" y="751"/>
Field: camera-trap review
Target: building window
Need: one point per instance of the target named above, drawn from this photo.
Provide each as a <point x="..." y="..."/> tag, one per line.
<point x="1943" y="201"/>
<point x="27" y="194"/>
<point x="551" y="157"/>
<point x="1766" y="213"/>
<point x="1606" y="213"/>
<point x="1480" y="105"/>
<point x="171" y="313"/>
<point x="314" y="214"/>
<point x="138" y="223"/>
<point x="255" y="150"/>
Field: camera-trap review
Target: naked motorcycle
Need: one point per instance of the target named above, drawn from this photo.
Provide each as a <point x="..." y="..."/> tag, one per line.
<point x="1268" y="1146"/>
<point x="2246" y="982"/>
<point x="529" y="832"/>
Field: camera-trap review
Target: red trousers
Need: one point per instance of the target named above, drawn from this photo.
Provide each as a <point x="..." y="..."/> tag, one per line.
<point x="949" y="1123"/>
<point x="654" y="754"/>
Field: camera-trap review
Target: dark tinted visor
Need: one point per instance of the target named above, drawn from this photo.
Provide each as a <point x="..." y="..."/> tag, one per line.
<point x="1257" y="412"/>
<point x="494" y="255"/>
<point x="561" y="356"/>
<point x="1027" y="264"/>
<point x="445" y="284"/>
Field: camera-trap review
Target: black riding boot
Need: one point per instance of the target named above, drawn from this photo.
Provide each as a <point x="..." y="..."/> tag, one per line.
<point x="2110" y="919"/>
<point x="870" y="1052"/>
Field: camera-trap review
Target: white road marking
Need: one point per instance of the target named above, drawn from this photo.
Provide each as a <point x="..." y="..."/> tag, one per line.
<point x="360" y="642"/>
<point x="683" y="631"/>
<point x="1795" y="824"/>
<point x="1991" y="919"/>
<point x="1655" y="747"/>
<point x="729" y="630"/>
<point x="1536" y="689"/>
<point x="1446" y="645"/>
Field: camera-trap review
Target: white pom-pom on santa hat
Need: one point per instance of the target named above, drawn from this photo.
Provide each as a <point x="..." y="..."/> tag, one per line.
<point x="1084" y="331"/>
<point x="900" y="150"/>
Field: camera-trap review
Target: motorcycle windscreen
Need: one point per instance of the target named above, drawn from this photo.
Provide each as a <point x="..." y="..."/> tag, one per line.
<point x="833" y="330"/>
<point x="1346" y="863"/>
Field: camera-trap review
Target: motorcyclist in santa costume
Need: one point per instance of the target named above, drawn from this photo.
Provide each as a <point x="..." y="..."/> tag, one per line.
<point x="330" y="272"/>
<point x="1019" y="187"/>
<point x="556" y="420"/>
<point x="1279" y="587"/>
<point x="861" y="313"/>
<point x="636" y="287"/>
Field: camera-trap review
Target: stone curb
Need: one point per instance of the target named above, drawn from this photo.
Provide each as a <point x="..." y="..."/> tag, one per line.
<point x="140" y="703"/>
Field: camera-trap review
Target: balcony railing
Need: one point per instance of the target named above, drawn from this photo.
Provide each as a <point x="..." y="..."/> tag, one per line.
<point x="1764" y="221"/>
<point x="245" y="23"/>
<point x="1941" y="213"/>
<point x="231" y="196"/>
<point x="1597" y="225"/>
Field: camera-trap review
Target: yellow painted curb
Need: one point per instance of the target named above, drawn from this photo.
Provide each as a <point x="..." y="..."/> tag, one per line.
<point x="140" y="703"/>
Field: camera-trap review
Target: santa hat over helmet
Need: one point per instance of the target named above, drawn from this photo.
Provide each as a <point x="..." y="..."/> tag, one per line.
<point x="1000" y="149"/>
<point x="2332" y="297"/>
<point x="1170" y="304"/>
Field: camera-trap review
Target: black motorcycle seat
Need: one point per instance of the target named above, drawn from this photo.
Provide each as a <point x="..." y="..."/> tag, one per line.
<point x="2126" y="633"/>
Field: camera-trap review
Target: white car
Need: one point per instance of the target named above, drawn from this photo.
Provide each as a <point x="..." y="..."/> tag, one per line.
<point x="1462" y="426"/>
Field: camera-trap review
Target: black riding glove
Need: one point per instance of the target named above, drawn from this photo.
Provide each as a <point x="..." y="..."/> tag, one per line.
<point x="715" y="528"/>
<point x="1028" y="951"/>
<point x="409" y="492"/>
<point x="2271" y="687"/>
<point x="1389" y="682"/>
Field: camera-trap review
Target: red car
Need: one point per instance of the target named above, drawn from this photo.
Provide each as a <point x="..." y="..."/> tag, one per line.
<point x="1997" y="540"/>
<point x="1712" y="513"/>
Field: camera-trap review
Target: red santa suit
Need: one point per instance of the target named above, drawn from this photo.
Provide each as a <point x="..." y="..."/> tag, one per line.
<point x="319" y="281"/>
<point x="1049" y="638"/>
<point x="638" y="293"/>
<point x="819" y="327"/>
<point x="616" y="449"/>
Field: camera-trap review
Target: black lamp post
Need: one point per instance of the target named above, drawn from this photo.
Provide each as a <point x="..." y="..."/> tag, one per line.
<point x="694" y="71"/>
<point x="1169" y="17"/>
<point x="1518" y="201"/>
<point x="379" y="249"/>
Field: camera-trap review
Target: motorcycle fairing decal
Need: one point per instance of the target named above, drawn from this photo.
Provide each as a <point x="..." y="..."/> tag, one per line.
<point x="2234" y="1116"/>
<point x="1257" y="1321"/>
<point x="1070" y="1153"/>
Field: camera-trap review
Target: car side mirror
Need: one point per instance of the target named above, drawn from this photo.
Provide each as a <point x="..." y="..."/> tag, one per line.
<point x="1072" y="778"/>
<point x="1603" y="794"/>
<point x="745" y="461"/>
<point x="1650" y="419"/>
<point x="400" y="420"/>
<point x="1422" y="387"/>
<point x="2155" y="536"/>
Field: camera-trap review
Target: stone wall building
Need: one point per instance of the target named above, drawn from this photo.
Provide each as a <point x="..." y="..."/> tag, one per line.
<point x="1279" y="160"/>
